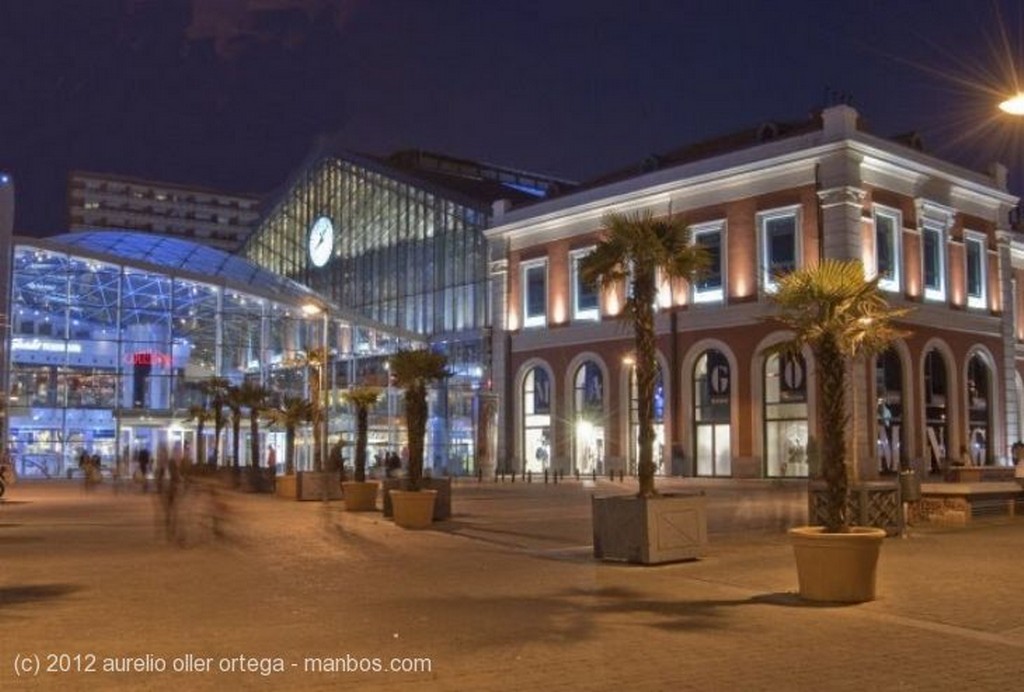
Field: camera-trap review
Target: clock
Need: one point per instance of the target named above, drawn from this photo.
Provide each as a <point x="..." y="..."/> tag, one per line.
<point x="321" y="241"/>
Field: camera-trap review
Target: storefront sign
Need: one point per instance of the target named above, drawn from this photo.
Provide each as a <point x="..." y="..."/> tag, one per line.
<point x="38" y="345"/>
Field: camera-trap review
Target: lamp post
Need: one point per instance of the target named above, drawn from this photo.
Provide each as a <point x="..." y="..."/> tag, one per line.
<point x="312" y="310"/>
<point x="391" y="419"/>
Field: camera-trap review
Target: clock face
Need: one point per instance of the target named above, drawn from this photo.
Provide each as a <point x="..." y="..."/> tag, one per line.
<point x="321" y="241"/>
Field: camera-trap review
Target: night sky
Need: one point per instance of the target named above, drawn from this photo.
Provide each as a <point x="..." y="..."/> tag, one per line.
<point x="233" y="94"/>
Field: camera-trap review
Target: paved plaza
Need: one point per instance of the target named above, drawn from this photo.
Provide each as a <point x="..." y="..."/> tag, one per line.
<point x="504" y="596"/>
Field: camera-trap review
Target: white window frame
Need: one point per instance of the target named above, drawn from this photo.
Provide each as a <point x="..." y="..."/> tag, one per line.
<point x="713" y="295"/>
<point x="896" y="217"/>
<point x="768" y="282"/>
<point x="578" y="315"/>
<point x="934" y="292"/>
<point x="528" y="319"/>
<point x="978" y="239"/>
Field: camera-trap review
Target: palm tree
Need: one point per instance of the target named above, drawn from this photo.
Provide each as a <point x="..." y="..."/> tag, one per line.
<point x="315" y="360"/>
<point x="201" y="415"/>
<point x="839" y="316"/>
<point x="362" y="398"/>
<point x="215" y="389"/>
<point x="413" y="371"/>
<point x="233" y="402"/>
<point x="636" y="248"/>
<point x="293" y="412"/>
<point x="254" y="397"/>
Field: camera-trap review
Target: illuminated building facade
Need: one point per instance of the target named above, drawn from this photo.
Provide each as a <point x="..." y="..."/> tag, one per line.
<point x="112" y="334"/>
<point x="400" y="241"/>
<point x="763" y="203"/>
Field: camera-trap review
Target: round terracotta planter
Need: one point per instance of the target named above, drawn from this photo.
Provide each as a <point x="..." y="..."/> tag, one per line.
<point x="413" y="509"/>
<point x="360" y="496"/>
<point x="836" y="567"/>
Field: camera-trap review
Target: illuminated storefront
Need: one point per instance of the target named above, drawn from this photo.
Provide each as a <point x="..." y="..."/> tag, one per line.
<point x="113" y="333"/>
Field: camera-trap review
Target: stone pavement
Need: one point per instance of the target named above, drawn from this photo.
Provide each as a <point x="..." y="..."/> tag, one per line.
<point x="504" y="596"/>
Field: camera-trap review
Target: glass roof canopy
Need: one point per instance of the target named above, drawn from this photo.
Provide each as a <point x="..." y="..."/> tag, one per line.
<point x="181" y="258"/>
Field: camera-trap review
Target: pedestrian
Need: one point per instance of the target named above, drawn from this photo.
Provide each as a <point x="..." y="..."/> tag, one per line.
<point x="272" y="458"/>
<point x="142" y="459"/>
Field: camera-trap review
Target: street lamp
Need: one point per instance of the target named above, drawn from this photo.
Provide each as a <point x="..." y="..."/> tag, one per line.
<point x="1013" y="105"/>
<point x="312" y="310"/>
<point x="391" y="418"/>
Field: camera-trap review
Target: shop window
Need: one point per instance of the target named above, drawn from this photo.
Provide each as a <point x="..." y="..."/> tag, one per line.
<point x="785" y="416"/>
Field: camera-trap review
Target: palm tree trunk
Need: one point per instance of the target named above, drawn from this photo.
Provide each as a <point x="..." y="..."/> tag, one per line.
<point x="416" y="420"/>
<point x="362" y="423"/>
<point x="644" y="293"/>
<point x="831" y="399"/>
<point x="289" y="450"/>
<point x="254" y="441"/>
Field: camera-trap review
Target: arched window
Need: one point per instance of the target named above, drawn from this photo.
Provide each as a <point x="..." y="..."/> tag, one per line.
<point x="634" y="423"/>
<point x="712" y="393"/>
<point x="536" y="425"/>
<point x="589" y="419"/>
<point x="889" y="411"/>
<point x="979" y="420"/>
<point x="936" y="418"/>
<point x="785" y="416"/>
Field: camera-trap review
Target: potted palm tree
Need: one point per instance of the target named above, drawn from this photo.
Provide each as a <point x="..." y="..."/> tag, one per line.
<point x="215" y="391"/>
<point x="649" y="527"/>
<point x="293" y="412"/>
<point x="360" y="494"/>
<point x="254" y="397"/>
<point x="414" y="370"/>
<point x="838" y="316"/>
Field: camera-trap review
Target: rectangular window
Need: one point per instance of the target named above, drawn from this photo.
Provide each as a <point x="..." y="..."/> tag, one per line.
<point x="584" y="296"/>
<point x="780" y="245"/>
<point x="888" y="233"/>
<point x="535" y="293"/>
<point x="933" y="261"/>
<point x="709" y="286"/>
<point x="974" y="251"/>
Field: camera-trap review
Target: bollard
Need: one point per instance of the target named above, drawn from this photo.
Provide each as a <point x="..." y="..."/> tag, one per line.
<point x="621" y="473"/>
<point x="479" y="475"/>
<point x="555" y="474"/>
<point x="529" y="476"/>
<point x="545" y="476"/>
<point x="577" y="474"/>
<point x="513" y="475"/>
<point x="611" y="474"/>
<point x="593" y="475"/>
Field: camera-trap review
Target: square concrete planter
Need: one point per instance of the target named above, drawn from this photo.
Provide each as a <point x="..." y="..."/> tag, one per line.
<point x="650" y="531"/>
<point x="317" y="485"/>
<point x="360" y="496"/>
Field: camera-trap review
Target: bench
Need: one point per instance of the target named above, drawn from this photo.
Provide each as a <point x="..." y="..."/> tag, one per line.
<point x="959" y="503"/>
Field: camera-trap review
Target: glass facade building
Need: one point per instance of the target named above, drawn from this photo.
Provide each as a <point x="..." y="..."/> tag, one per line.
<point x="112" y="334"/>
<point x="400" y="241"/>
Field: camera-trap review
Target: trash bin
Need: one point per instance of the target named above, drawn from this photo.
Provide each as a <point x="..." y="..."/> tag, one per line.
<point x="910" y="485"/>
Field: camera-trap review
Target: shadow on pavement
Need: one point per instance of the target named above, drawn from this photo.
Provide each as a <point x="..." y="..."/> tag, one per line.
<point x="30" y="593"/>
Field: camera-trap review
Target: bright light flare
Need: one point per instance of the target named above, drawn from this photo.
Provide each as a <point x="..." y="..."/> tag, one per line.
<point x="1013" y="105"/>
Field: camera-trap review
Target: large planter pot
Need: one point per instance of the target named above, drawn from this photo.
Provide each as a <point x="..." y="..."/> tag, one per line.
<point x="318" y="485"/>
<point x="650" y="530"/>
<point x="837" y="567"/>
<point x="285" y="486"/>
<point x="413" y="509"/>
<point x="443" y="486"/>
<point x="360" y="496"/>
